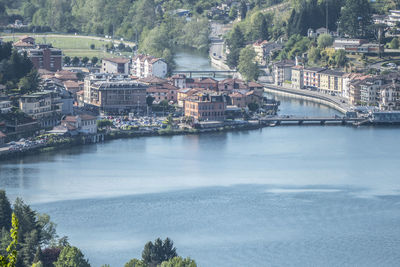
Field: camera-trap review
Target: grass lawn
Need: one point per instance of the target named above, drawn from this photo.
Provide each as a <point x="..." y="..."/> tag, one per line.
<point x="72" y="45"/>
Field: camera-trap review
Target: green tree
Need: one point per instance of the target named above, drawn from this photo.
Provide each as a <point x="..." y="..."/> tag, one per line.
<point x="85" y="60"/>
<point x="247" y="65"/>
<point x="75" y="61"/>
<point x="10" y="259"/>
<point x="394" y="44"/>
<point x="243" y="9"/>
<point x="29" y="83"/>
<point x="235" y="42"/>
<point x="253" y="107"/>
<point x="324" y="40"/>
<point x="5" y="211"/>
<point x="314" y="54"/>
<point x="154" y="254"/>
<point x="71" y="257"/>
<point x="67" y="60"/>
<point x="179" y="262"/>
<point x="233" y="13"/>
<point x="135" y="263"/>
<point x="340" y="58"/>
<point x="259" y="27"/>
<point x="355" y="18"/>
<point x="94" y="60"/>
<point x="92" y="46"/>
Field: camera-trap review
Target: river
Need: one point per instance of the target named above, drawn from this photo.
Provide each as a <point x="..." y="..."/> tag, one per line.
<point x="282" y="196"/>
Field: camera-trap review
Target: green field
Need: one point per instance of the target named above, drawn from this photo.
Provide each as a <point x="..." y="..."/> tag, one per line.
<point x="73" y="45"/>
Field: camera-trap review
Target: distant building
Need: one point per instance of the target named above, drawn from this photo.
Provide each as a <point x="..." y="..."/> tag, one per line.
<point x="312" y="77"/>
<point x="114" y="94"/>
<point x="394" y="17"/>
<point x="84" y="123"/>
<point x="24" y="42"/>
<point x="179" y="80"/>
<point x="205" y="107"/>
<point x="298" y="77"/>
<point x="331" y="81"/>
<point x="282" y="71"/>
<point x="357" y="46"/>
<point x="45" y="106"/>
<point x="5" y="106"/>
<point x="115" y="65"/>
<point x="145" y="66"/>
<point x="46" y="57"/>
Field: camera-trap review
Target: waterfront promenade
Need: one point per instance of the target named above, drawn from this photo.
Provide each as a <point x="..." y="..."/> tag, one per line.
<point x="336" y="102"/>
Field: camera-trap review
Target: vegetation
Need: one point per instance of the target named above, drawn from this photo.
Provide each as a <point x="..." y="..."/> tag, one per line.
<point x="17" y="71"/>
<point x="247" y="65"/>
<point x="356" y="18"/>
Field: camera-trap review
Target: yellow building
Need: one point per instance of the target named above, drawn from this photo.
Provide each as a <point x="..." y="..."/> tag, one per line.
<point x="331" y="81"/>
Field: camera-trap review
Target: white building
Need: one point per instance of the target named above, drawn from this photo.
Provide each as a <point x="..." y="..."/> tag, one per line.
<point x="394" y="17"/>
<point x="84" y="123"/>
<point x="144" y="66"/>
<point x="5" y="106"/>
<point x="115" y="65"/>
<point x="282" y="71"/>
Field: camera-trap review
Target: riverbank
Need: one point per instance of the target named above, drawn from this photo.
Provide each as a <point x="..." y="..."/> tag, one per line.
<point x="68" y="142"/>
<point x="336" y="103"/>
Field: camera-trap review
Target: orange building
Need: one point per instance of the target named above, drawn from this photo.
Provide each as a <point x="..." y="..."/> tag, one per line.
<point x="206" y="107"/>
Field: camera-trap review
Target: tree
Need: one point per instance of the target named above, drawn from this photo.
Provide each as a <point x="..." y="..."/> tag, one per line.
<point x="253" y="107"/>
<point x="135" y="263"/>
<point x="149" y="100"/>
<point x="75" y="61"/>
<point x="11" y="259"/>
<point x="92" y="46"/>
<point x="179" y="262"/>
<point x="394" y="44"/>
<point x="259" y="27"/>
<point x="314" y="54"/>
<point x="104" y="123"/>
<point x="340" y="58"/>
<point x="233" y="13"/>
<point x="5" y="211"/>
<point x="94" y="60"/>
<point x="355" y="18"/>
<point x="235" y="42"/>
<point x="324" y="40"/>
<point x="243" y="9"/>
<point x="85" y="60"/>
<point x="247" y="65"/>
<point x="67" y="60"/>
<point x="154" y="254"/>
<point x="71" y="257"/>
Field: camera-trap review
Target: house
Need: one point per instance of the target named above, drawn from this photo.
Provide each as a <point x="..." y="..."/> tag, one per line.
<point x="394" y="17"/>
<point x="390" y="97"/>
<point x="44" y="106"/>
<point x="5" y="106"/>
<point x="115" y="65"/>
<point x="205" y="83"/>
<point x="179" y="80"/>
<point x="185" y="93"/>
<point x="331" y="81"/>
<point x="259" y="47"/>
<point x="66" y="75"/>
<point x="312" y="77"/>
<point x="205" y="107"/>
<point x="282" y="71"/>
<point x="84" y="123"/>
<point x="144" y="66"/>
<point x="238" y="99"/>
<point x="357" y="46"/>
<point x="162" y="92"/>
<point x="24" y="42"/>
<point x="114" y="94"/>
<point x="73" y="86"/>
<point x="298" y="77"/>
<point x="231" y="84"/>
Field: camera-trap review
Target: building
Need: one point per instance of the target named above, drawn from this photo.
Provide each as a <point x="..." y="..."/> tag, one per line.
<point x="282" y="71"/>
<point x="238" y="99"/>
<point x="115" y="65"/>
<point x="45" y="106"/>
<point x="205" y="107"/>
<point x="298" y="77"/>
<point x="370" y="91"/>
<point x="5" y="106"/>
<point x="2" y="138"/>
<point x="179" y="80"/>
<point x="24" y="42"/>
<point x="73" y="86"/>
<point x="145" y="66"/>
<point x="259" y="47"/>
<point x="312" y="77"/>
<point x="205" y="83"/>
<point x="83" y="123"/>
<point x="167" y="92"/>
<point x="394" y="17"/>
<point x="114" y="94"/>
<point x="390" y="97"/>
<point x="331" y="81"/>
<point x="231" y="84"/>
<point x="46" y="57"/>
<point x="185" y="93"/>
<point x="357" y="46"/>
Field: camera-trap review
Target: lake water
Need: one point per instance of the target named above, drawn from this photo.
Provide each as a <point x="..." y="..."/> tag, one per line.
<point x="282" y="196"/>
